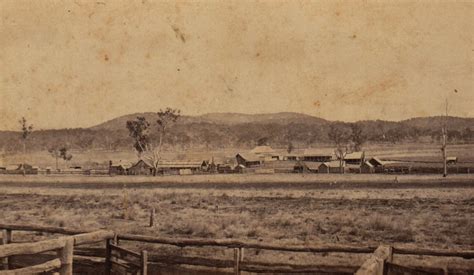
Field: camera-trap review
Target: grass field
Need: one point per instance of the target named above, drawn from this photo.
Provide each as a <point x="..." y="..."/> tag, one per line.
<point x="418" y="211"/>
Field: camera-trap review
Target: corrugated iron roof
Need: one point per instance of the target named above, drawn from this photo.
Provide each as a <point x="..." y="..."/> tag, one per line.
<point x="368" y="164"/>
<point x="318" y="152"/>
<point x="250" y="156"/>
<point x="13" y="167"/>
<point x="334" y="163"/>
<point x="354" y="155"/>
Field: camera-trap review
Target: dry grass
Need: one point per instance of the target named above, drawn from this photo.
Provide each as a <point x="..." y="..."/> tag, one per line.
<point x="424" y="217"/>
<point x="418" y="216"/>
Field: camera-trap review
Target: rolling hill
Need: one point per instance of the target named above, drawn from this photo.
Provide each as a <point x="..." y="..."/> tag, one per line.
<point x="224" y="130"/>
<point x="219" y="118"/>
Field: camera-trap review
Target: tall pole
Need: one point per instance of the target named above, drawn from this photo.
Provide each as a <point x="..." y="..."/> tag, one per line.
<point x="24" y="157"/>
<point x="445" y="137"/>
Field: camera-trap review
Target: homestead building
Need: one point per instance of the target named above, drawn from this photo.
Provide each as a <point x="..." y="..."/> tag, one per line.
<point x="249" y="160"/>
<point x="331" y="167"/>
<point x="317" y="155"/>
<point x="143" y="167"/>
<point x="306" y="167"/>
<point x="355" y="158"/>
<point x="119" y="168"/>
<point x="367" y="168"/>
<point x="18" y="169"/>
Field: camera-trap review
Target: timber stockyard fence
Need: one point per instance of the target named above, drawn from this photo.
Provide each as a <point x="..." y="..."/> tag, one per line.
<point x="120" y="260"/>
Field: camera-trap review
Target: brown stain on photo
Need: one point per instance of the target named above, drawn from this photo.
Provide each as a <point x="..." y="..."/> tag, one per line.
<point x="361" y="52"/>
<point x="178" y="33"/>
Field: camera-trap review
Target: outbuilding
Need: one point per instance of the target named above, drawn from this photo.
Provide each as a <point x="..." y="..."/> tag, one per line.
<point x="249" y="160"/>
<point x="331" y="167"/>
<point x="141" y="168"/>
<point x="367" y="168"/>
<point x="356" y="158"/>
<point x="317" y="155"/>
<point x="451" y="160"/>
<point x="18" y="169"/>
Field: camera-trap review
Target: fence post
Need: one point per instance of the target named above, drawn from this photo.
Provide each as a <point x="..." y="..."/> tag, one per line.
<point x="237" y="261"/>
<point x="144" y="262"/>
<point x="65" y="255"/>
<point x="375" y="265"/>
<point x="108" y="255"/>
<point x="152" y="216"/>
<point x="116" y="239"/>
<point x="6" y="239"/>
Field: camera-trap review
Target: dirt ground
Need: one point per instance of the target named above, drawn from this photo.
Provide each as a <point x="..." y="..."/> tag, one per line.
<point x="411" y="214"/>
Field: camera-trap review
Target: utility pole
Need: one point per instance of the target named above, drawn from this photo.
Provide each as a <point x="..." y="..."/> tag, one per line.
<point x="445" y="137"/>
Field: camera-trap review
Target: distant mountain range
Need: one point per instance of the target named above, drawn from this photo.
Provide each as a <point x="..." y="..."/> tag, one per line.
<point x="221" y="130"/>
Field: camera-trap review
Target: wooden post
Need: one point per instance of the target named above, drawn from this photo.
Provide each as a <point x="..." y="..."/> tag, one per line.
<point x="116" y="239"/>
<point x="144" y="262"/>
<point x="389" y="251"/>
<point x="152" y="216"/>
<point x="375" y="265"/>
<point x="6" y="239"/>
<point x="236" y="261"/>
<point x="445" y="137"/>
<point x="108" y="255"/>
<point x="65" y="255"/>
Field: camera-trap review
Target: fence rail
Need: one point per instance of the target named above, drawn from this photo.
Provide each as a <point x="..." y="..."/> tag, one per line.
<point x="181" y="242"/>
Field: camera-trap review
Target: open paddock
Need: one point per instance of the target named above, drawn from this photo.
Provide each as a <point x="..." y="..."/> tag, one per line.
<point x="413" y="211"/>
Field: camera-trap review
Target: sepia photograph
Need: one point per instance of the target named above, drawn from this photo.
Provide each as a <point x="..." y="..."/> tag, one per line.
<point x="209" y="137"/>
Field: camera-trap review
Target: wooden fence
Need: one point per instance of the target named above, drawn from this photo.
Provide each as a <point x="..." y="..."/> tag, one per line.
<point x="119" y="258"/>
<point x="381" y="254"/>
<point x="63" y="246"/>
<point x="63" y="262"/>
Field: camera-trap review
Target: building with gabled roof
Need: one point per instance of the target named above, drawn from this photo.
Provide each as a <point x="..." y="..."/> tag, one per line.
<point x="249" y="159"/>
<point x="367" y="168"/>
<point x="317" y="155"/>
<point x="331" y="167"/>
<point x="142" y="167"/>
<point x="20" y="168"/>
<point x="356" y="158"/>
<point x="451" y="160"/>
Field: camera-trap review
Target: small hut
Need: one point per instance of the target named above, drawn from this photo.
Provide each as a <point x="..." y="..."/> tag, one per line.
<point x="141" y="168"/>
<point x="367" y="168"/>
<point x="331" y="167"/>
<point x="451" y="160"/>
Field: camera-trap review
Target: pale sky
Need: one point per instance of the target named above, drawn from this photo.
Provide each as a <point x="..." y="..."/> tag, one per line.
<point x="79" y="63"/>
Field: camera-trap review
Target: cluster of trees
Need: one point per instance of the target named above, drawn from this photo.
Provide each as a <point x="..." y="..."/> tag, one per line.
<point x="74" y="139"/>
<point x="60" y="153"/>
<point x="184" y="135"/>
<point x="26" y="131"/>
<point x="140" y="130"/>
<point x="346" y="140"/>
